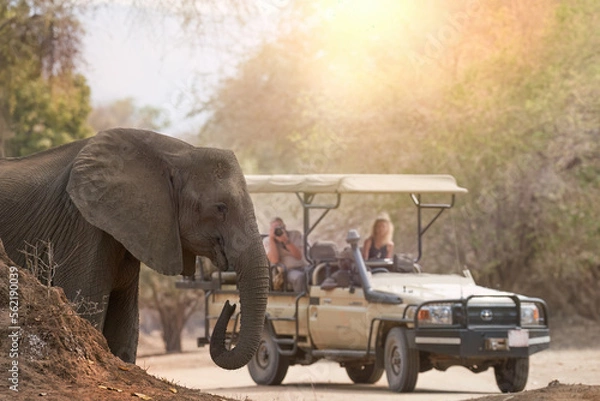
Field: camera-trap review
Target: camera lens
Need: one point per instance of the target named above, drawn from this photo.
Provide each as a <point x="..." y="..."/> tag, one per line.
<point x="278" y="231"/>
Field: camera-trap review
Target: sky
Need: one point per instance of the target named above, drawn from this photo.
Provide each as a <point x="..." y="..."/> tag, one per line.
<point x="126" y="58"/>
<point x="147" y="56"/>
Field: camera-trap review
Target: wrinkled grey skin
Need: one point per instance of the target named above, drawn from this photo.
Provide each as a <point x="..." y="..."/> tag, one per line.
<point x="124" y="196"/>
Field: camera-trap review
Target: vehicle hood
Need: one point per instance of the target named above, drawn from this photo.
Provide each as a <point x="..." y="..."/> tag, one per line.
<point x="416" y="288"/>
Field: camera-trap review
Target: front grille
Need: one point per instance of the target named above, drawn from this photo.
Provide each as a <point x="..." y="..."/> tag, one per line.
<point x="492" y="316"/>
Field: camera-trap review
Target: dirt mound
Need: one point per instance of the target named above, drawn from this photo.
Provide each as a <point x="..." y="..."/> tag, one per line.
<point x="554" y="392"/>
<point x="48" y="352"/>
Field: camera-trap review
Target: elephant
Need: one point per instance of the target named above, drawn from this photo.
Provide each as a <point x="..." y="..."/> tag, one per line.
<point x="125" y="196"/>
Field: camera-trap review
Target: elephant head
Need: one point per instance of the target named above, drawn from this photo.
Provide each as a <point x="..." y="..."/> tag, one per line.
<point x="167" y="201"/>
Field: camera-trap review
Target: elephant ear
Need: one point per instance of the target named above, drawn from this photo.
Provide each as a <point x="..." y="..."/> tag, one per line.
<point x="121" y="185"/>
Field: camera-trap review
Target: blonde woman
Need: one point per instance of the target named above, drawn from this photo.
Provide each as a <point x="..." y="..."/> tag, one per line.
<point x="379" y="245"/>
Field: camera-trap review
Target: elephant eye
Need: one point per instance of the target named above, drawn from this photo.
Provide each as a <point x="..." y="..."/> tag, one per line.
<point x="221" y="208"/>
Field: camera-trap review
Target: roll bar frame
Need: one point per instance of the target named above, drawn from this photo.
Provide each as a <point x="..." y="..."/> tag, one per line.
<point x="307" y="201"/>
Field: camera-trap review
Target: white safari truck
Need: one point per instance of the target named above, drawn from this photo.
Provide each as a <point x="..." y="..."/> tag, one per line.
<point x="393" y="317"/>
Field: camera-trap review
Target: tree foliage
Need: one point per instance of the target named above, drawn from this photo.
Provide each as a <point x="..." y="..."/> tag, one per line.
<point x="125" y="113"/>
<point x="44" y="102"/>
<point x="503" y="95"/>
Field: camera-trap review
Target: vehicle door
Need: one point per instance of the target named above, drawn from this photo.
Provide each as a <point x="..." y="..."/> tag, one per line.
<point x="338" y="318"/>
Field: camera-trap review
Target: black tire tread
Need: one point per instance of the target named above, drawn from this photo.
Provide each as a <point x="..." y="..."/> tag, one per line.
<point x="410" y="362"/>
<point x="511" y="376"/>
<point x="278" y="366"/>
<point x="364" y="374"/>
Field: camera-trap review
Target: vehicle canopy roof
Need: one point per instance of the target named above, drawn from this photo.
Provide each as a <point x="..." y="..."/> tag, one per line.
<point x="354" y="183"/>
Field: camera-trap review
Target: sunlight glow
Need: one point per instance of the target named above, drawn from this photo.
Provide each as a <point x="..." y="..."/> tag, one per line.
<point x="356" y="21"/>
<point x="366" y="15"/>
<point x="359" y="32"/>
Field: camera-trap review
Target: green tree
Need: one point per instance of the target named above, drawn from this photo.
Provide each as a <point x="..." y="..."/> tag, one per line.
<point x="44" y="102"/>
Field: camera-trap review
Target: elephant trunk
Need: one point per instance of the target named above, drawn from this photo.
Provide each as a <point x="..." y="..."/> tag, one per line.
<point x="253" y="283"/>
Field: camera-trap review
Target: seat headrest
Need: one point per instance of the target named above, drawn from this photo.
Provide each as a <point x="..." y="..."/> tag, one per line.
<point x="324" y="250"/>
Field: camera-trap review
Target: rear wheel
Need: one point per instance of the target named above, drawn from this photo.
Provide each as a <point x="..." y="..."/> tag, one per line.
<point x="512" y="374"/>
<point x="268" y="366"/>
<point x="367" y="374"/>
<point x="401" y="362"/>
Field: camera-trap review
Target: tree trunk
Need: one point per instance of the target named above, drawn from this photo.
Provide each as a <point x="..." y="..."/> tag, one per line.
<point x="174" y="311"/>
<point x="173" y="323"/>
<point x="4" y="135"/>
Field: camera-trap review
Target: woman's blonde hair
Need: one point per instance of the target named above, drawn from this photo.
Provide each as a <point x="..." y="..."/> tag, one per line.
<point x="390" y="231"/>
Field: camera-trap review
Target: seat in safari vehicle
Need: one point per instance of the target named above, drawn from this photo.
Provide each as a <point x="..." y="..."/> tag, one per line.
<point x="324" y="256"/>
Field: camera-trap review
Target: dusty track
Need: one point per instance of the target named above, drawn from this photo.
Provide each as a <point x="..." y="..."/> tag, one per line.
<point x="327" y="381"/>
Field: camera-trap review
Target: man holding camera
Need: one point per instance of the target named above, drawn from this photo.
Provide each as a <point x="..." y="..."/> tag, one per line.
<point x="286" y="248"/>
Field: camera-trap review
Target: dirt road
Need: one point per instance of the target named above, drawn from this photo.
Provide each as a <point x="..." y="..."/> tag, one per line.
<point x="327" y="381"/>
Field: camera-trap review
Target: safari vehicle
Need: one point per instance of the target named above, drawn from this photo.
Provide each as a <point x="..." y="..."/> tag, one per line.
<point x="398" y="319"/>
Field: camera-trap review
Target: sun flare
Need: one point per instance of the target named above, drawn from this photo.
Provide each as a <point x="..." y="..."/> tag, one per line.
<point x="358" y="33"/>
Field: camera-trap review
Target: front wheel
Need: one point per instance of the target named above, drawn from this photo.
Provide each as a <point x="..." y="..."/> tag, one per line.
<point x="367" y="374"/>
<point x="511" y="375"/>
<point x="268" y="366"/>
<point x="401" y="362"/>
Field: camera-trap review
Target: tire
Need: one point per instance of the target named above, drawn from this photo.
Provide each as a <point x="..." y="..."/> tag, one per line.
<point x="364" y="374"/>
<point x="401" y="362"/>
<point x="267" y="366"/>
<point x="511" y="375"/>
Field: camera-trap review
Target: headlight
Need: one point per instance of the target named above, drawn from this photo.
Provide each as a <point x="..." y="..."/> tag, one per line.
<point x="434" y="314"/>
<point x="530" y="315"/>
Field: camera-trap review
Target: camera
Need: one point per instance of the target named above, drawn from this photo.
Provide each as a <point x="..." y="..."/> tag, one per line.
<point x="278" y="231"/>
